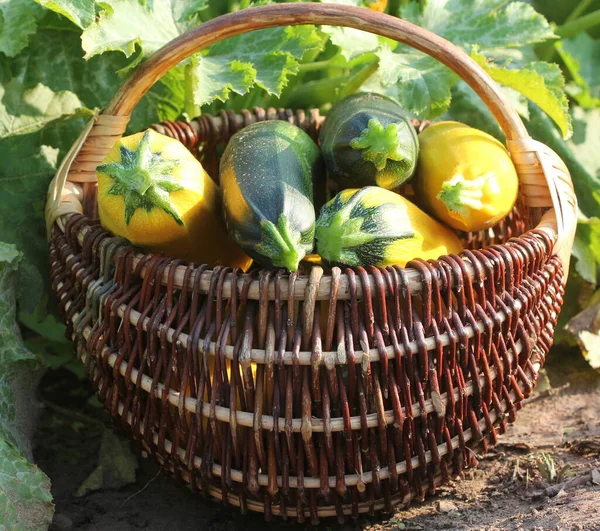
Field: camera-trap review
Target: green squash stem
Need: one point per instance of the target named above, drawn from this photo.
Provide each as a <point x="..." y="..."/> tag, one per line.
<point x="378" y="144"/>
<point x="461" y="195"/>
<point x="144" y="179"/>
<point x="280" y="245"/>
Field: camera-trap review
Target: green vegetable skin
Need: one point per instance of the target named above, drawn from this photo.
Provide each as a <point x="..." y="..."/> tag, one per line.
<point x="267" y="174"/>
<point x="369" y="140"/>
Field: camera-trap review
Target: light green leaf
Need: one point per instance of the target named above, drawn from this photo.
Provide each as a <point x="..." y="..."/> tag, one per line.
<point x="18" y="20"/>
<point x="420" y="83"/>
<point x="24" y="111"/>
<point x="125" y="24"/>
<point x="352" y="42"/>
<point x="39" y="118"/>
<point x="541" y="83"/>
<point x="79" y="12"/>
<point x="423" y="85"/>
<point x="266" y="58"/>
<point x="486" y="23"/>
<point x="25" y="500"/>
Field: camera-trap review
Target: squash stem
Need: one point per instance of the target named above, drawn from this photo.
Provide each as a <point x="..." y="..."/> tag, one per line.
<point x="461" y="195"/>
<point x="336" y="240"/>
<point x="191" y="108"/>
<point x="378" y="144"/>
<point x="281" y="247"/>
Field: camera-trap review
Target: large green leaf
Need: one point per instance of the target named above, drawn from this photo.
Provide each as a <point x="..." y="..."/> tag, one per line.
<point x="352" y="42"/>
<point x="424" y="86"/>
<point x="125" y="24"/>
<point x="542" y="83"/>
<point x="24" y="111"/>
<point x="18" y="20"/>
<point x="79" y="12"/>
<point x="25" y="500"/>
<point x="39" y="113"/>
<point x="419" y="82"/>
<point x="488" y="24"/>
<point x="266" y="58"/>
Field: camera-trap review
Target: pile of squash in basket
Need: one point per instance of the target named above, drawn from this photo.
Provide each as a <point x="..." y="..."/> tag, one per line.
<point x="272" y="204"/>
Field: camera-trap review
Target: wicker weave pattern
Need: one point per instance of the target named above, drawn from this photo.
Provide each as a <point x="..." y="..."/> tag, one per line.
<point x="366" y="407"/>
<point x="330" y="393"/>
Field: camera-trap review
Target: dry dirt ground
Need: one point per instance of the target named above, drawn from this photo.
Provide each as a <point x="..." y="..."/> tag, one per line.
<point x="506" y="491"/>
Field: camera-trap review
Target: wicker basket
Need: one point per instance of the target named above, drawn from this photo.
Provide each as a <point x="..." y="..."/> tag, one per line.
<point x="372" y="387"/>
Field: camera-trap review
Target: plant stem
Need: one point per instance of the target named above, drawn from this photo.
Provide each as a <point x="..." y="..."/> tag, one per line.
<point x="358" y="79"/>
<point x="572" y="25"/>
<point x="317" y="66"/>
<point x="191" y="108"/>
<point x="581" y="7"/>
<point x="583" y="23"/>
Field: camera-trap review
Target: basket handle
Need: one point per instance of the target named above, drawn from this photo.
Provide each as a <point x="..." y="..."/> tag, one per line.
<point x="545" y="183"/>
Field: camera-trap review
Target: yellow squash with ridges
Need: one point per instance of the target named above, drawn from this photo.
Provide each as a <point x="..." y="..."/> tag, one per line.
<point x="374" y="226"/>
<point x="153" y="191"/>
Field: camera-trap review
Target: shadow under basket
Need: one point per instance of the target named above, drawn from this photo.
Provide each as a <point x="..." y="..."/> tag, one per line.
<point x="323" y="393"/>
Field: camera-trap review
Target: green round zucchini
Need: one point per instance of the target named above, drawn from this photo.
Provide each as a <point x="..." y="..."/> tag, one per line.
<point x="267" y="173"/>
<point x="369" y="140"/>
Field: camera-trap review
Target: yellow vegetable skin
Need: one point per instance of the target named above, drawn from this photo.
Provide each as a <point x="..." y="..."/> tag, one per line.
<point x="464" y="176"/>
<point x="374" y="226"/>
<point x="153" y="191"/>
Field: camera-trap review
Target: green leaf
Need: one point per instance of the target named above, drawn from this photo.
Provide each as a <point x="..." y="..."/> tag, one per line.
<point x="266" y="58"/>
<point x="586" y="249"/>
<point x="79" y="12"/>
<point x="468" y="108"/>
<point x="541" y="83"/>
<point x="352" y="42"/>
<point x="25" y="500"/>
<point x="420" y="83"/>
<point x="18" y="20"/>
<point x="585" y="142"/>
<point x="24" y="111"/>
<point x="39" y="118"/>
<point x="488" y="24"/>
<point x="585" y="51"/>
<point x="124" y="24"/>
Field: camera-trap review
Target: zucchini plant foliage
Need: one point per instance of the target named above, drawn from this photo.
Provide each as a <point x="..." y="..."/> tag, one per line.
<point x="62" y="59"/>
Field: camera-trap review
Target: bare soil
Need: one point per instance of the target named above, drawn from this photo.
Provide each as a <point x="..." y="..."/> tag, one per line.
<point x="506" y="491"/>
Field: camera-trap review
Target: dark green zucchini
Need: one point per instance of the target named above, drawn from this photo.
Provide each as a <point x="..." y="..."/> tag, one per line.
<point x="369" y="140"/>
<point x="267" y="173"/>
